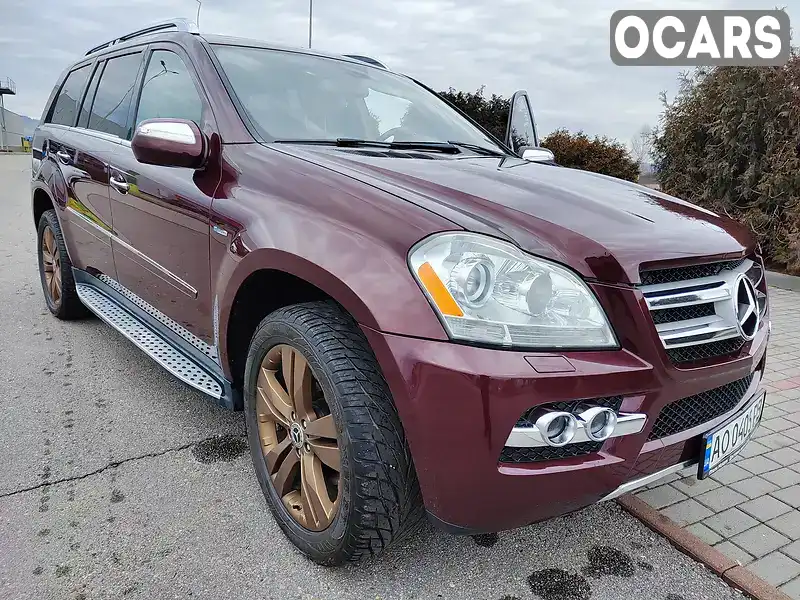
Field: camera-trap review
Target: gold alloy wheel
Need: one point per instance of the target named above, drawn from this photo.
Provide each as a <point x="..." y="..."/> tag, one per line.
<point x="298" y="438"/>
<point x="51" y="262"/>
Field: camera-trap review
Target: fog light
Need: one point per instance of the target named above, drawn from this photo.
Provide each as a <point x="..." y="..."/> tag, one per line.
<point x="598" y="422"/>
<point x="557" y="428"/>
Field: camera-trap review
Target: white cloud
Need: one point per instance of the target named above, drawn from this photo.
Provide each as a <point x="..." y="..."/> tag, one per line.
<point x="555" y="49"/>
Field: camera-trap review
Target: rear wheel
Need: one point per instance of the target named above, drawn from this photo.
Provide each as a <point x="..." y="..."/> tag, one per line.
<point x="327" y="443"/>
<point x="55" y="270"/>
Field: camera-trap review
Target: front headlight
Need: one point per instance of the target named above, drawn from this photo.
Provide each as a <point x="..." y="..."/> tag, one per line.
<point x="489" y="291"/>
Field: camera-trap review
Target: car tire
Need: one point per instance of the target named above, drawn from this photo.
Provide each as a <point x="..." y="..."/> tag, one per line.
<point x="377" y="490"/>
<point x="55" y="270"/>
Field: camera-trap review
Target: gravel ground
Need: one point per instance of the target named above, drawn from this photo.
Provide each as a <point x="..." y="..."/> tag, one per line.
<point x="118" y="481"/>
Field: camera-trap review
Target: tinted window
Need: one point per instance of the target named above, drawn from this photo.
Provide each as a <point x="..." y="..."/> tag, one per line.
<point x="66" y="105"/>
<point x="83" y="119"/>
<point x="168" y="90"/>
<point x="112" y="102"/>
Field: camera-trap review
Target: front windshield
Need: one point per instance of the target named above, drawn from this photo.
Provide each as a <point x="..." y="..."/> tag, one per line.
<point x="295" y="96"/>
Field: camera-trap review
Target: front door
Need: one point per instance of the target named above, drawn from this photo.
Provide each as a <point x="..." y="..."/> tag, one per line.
<point x="161" y="216"/>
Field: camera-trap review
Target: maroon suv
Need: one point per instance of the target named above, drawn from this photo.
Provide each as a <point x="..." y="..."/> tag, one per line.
<point x="415" y="316"/>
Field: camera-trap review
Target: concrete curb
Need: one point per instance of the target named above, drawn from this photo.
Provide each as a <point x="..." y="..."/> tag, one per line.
<point x="728" y="569"/>
<point x="785" y="282"/>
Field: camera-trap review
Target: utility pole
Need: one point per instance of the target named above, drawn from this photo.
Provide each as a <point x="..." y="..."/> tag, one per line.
<point x="310" y="15"/>
<point x="199" y="6"/>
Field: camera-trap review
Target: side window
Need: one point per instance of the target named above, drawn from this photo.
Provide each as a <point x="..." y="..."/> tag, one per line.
<point x="168" y="91"/>
<point x="65" y="108"/>
<point x="83" y="118"/>
<point x="112" y="102"/>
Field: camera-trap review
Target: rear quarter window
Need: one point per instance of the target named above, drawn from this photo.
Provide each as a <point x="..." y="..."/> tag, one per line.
<point x="65" y="107"/>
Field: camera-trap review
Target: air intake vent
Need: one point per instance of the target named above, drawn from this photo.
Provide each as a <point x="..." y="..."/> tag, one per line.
<point x="698" y="409"/>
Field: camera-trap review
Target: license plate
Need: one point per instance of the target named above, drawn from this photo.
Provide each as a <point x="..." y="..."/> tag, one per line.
<point x="725" y="442"/>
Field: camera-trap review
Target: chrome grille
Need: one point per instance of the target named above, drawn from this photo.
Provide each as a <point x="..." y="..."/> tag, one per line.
<point x="701" y="408"/>
<point x="694" y="309"/>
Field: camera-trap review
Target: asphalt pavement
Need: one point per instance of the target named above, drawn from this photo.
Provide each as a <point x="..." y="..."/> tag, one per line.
<point x="117" y="481"/>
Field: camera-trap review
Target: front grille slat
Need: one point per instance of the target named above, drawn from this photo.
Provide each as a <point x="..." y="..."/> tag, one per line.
<point x="656" y="276"/>
<point x="690" y="412"/>
<point x="690" y="354"/>
<point x="683" y="313"/>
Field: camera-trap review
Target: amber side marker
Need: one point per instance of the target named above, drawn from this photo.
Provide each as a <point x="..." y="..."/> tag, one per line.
<point x="728" y="569"/>
<point x="440" y="294"/>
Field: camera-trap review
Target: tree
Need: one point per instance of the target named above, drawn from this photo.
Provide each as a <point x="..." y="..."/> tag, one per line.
<point x="729" y="142"/>
<point x="491" y="113"/>
<point x="598" y="154"/>
<point x="642" y="145"/>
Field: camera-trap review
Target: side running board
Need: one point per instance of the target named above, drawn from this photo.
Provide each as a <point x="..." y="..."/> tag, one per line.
<point x="203" y="375"/>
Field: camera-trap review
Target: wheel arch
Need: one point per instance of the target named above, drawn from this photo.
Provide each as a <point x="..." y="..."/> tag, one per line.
<point x="265" y="281"/>
<point x="41" y="202"/>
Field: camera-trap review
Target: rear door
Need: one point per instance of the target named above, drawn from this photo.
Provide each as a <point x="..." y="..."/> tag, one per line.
<point x="78" y="179"/>
<point x="161" y="216"/>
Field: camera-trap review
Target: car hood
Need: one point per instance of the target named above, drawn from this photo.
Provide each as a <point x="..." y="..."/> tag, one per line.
<point x="603" y="227"/>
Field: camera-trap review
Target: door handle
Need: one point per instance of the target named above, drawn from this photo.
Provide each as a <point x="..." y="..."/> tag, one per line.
<point x="64" y="157"/>
<point x="121" y="186"/>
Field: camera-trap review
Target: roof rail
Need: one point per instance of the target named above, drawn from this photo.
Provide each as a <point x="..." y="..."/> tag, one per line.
<point x="368" y="60"/>
<point x="184" y="25"/>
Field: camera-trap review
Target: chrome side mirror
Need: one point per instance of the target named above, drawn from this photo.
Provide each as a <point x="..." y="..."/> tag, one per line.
<point x="540" y="155"/>
<point x="169" y="143"/>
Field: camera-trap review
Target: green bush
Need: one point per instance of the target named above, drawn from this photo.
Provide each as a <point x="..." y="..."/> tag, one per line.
<point x="598" y="154"/>
<point x="730" y="141"/>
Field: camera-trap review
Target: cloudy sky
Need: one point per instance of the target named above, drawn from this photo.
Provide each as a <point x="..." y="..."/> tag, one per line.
<point x="556" y="49"/>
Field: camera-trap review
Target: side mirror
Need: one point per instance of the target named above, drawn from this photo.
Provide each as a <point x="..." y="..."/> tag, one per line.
<point x="521" y="128"/>
<point x="539" y="155"/>
<point x="169" y="143"/>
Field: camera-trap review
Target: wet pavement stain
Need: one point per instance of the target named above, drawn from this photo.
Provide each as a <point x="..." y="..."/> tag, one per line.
<point x="62" y="570"/>
<point x="43" y="533"/>
<point x="223" y="448"/>
<point x="117" y="496"/>
<point x="556" y="584"/>
<point x="605" y="560"/>
<point x="674" y="597"/>
<point x="38" y="570"/>
<point x="645" y="565"/>
<point x="487" y="540"/>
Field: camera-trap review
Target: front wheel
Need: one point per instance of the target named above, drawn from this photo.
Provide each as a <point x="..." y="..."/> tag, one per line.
<point x="326" y="441"/>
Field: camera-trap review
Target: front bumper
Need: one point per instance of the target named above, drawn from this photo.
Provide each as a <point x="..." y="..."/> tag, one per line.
<point x="458" y="405"/>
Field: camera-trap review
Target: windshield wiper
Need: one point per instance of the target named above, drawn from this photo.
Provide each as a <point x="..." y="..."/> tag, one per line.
<point x="445" y="147"/>
<point x="483" y="150"/>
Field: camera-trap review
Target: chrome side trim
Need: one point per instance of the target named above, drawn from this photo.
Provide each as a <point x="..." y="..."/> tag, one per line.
<point x="683" y="469"/>
<point x="88" y="221"/>
<point x="187" y="335"/>
<point x="149" y="342"/>
<point x="530" y="437"/>
<point x="181" y="284"/>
